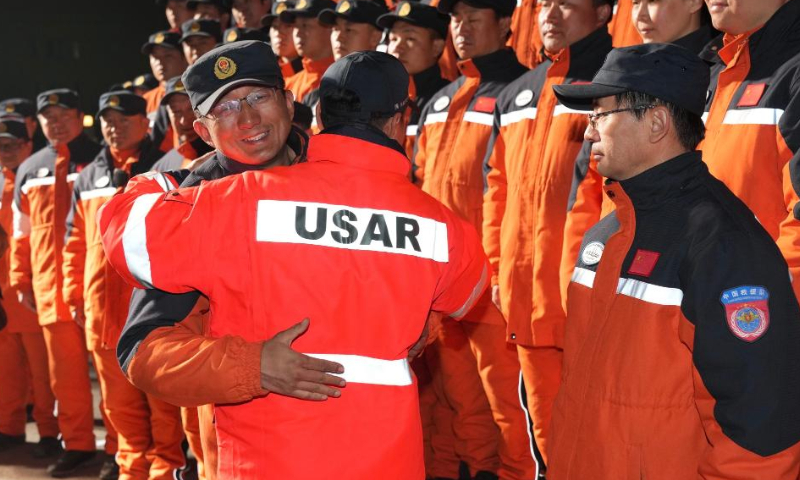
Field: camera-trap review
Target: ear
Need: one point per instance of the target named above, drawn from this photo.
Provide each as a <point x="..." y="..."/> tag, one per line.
<point x="375" y="37"/>
<point x="318" y="116"/>
<point x="201" y="130"/>
<point x="289" y="102"/>
<point x="438" y="47"/>
<point x="695" y="5"/>
<point x="144" y="122"/>
<point x="660" y="124"/>
<point x="604" y="13"/>
<point x="505" y="27"/>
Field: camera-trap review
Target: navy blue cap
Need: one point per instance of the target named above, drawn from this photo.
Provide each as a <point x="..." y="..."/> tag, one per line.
<point x="228" y="66"/>
<point x="202" y="27"/>
<point x="18" y="106"/>
<point x="378" y="79"/>
<point x="237" y="34"/>
<point x="306" y="8"/>
<point x="174" y="86"/>
<point x="62" y="97"/>
<point x="123" y="101"/>
<point x="278" y="7"/>
<point x="164" y="38"/>
<point x="503" y="7"/>
<point x="418" y="14"/>
<point x="662" y="70"/>
<point x="357" y="11"/>
<point x="13" y="127"/>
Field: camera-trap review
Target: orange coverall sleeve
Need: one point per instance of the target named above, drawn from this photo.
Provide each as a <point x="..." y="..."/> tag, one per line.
<point x="20" y="271"/>
<point x="74" y="256"/>
<point x="494" y="198"/>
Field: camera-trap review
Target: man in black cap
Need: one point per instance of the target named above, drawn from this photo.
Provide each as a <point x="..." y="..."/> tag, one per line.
<point x="237" y="34"/>
<point x="140" y="85"/>
<point x="211" y="9"/>
<point x="312" y="39"/>
<point x="166" y="61"/>
<point x="248" y="13"/>
<point x="666" y="301"/>
<point x="199" y="37"/>
<point x="280" y="37"/>
<point x="358" y="172"/>
<point x="176" y="12"/>
<point x="41" y="199"/>
<point x="354" y="25"/>
<point x="27" y="110"/>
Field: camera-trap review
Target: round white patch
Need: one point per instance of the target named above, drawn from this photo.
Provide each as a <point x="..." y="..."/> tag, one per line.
<point x="102" y="181"/>
<point x="523" y="98"/>
<point x="592" y="253"/>
<point x="441" y="104"/>
<point x="42" y="172"/>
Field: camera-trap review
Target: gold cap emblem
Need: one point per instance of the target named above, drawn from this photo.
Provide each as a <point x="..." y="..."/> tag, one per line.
<point x="194" y="27"/>
<point x="127" y="84"/>
<point x="281" y="8"/>
<point x="343" y="7"/>
<point x="139" y="80"/>
<point x="179" y="86"/>
<point x="113" y="101"/>
<point x="52" y="99"/>
<point x="224" y="68"/>
<point x="10" y="108"/>
<point x="232" y="36"/>
<point x="159" y="38"/>
<point x="3" y="127"/>
<point x="302" y="4"/>
<point x="405" y="9"/>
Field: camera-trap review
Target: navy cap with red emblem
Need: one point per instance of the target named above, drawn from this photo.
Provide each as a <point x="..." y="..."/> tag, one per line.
<point x="122" y="101"/>
<point x="307" y="9"/>
<point x="237" y="34"/>
<point x="164" y="38"/>
<point x="277" y="8"/>
<point x="356" y="11"/>
<point x="202" y="27"/>
<point x="418" y="14"/>
<point x="173" y="87"/>
<point x="18" y="106"/>
<point x="13" y="127"/>
<point x="59" y="97"/>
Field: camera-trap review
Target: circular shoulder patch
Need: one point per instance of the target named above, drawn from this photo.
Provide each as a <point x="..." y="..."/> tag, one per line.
<point x="592" y="253"/>
<point x="42" y="172"/>
<point x="523" y="98"/>
<point x="441" y="104"/>
<point x="102" y="181"/>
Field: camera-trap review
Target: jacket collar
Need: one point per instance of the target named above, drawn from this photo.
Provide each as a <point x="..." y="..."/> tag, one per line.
<point x="359" y="146"/>
<point x="591" y="45"/>
<point x="297" y="142"/>
<point x="696" y="41"/>
<point x="494" y="66"/>
<point x="663" y="182"/>
<point x="317" y="66"/>
<point x="81" y="149"/>
<point x="429" y="78"/>
<point x="782" y="26"/>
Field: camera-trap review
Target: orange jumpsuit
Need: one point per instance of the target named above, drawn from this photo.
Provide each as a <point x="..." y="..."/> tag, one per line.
<point x="149" y="430"/>
<point x="23" y="353"/>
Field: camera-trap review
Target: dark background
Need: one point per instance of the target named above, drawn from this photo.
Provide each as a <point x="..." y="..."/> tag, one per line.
<point x="86" y="45"/>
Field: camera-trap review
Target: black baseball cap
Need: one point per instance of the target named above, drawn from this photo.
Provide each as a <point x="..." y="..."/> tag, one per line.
<point x="237" y="34"/>
<point x="18" y="106"/>
<point x="357" y="11"/>
<point x="123" y="101"/>
<point x="217" y="3"/>
<point x="62" y="97"/>
<point x="278" y="7"/>
<point x="306" y="8"/>
<point x="228" y="66"/>
<point x="145" y="81"/>
<point x="202" y="27"/>
<point x="378" y="79"/>
<point x="13" y="127"/>
<point x="665" y="71"/>
<point x="173" y="87"/>
<point x="505" y="8"/>
<point x="419" y="14"/>
<point x="164" y="38"/>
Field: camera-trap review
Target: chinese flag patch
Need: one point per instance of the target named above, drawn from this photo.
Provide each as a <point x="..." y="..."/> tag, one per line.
<point x="752" y="94"/>
<point x="485" y="104"/>
<point x="644" y="262"/>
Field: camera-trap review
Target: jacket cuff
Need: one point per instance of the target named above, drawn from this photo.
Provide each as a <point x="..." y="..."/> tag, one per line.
<point x="249" y="380"/>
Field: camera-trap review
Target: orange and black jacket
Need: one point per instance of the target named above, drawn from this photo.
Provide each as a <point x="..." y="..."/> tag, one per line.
<point x="90" y="283"/>
<point x="421" y="88"/>
<point x="534" y="167"/>
<point x="157" y="335"/>
<point x="180" y="157"/>
<point x="680" y="357"/>
<point x="291" y="67"/>
<point x="307" y="80"/>
<point x="42" y="199"/>
<point x="753" y="125"/>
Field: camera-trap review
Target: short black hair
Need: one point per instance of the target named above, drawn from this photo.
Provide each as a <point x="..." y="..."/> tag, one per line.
<point x="689" y="127"/>
<point x="340" y="106"/>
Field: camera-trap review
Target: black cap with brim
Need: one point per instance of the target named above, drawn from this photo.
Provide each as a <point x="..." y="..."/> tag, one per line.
<point x="13" y="127"/>
<point x="203" y="27"/>
<point x="122" y="101"/>
<point x="18" y="106"/>
<point x="503" y="7"/>
<point x="668" y="72"/>
<point x="237" y="34"/>
<point x="60" y="97"/>
<point x="357" y="11"/>
<point x="228" y="66"/>
<point x="165" y="38"/>
<point x="145" y="81"/>
<point x="418" y="14"/>
<point x="192" y="4"/>
<point x="277" y="8"/>
<point x="174" y="86"/>
<point x="307" y="9"/>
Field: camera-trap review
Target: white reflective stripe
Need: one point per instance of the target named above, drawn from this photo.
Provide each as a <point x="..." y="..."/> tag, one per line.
<point x="583" y="276"/>
<point x="473" y="297"/>
<point x="479" y="118"/>
<point x="753" y="116"/>
<point x="436" y="118"/>
<point x="21" y="222"/>
<point x="411" y="130"/>
<point x="72" y="177"/>
<point x="705" y="117"/>
<point x="563" y="109"/>
<point x="518" y="115"/>
<point x="647" y="292"/>
<point x="134" y="239"/>
<point x="98" y="193"/>
<point x="373" y="371"/>
<point x="37" y="182"/>
<point x="163" y="182"/>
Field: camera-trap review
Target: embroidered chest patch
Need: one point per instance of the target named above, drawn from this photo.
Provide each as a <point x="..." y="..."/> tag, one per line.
<point x="747" y="311"/>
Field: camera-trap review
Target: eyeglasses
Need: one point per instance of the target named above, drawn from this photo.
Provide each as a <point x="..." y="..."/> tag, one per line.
<point x="228" y="110"/>
<point x="594" y="117"/>
<point x="11" y="147"/>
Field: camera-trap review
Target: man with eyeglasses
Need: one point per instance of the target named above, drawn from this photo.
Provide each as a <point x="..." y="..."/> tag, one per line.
<point x="680" y="352"/>
<point x="279" y="253"/>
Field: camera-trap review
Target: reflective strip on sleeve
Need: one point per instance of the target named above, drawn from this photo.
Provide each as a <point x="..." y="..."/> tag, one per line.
<point x="517" y="116"/>
<point x="479" y="118"/>
<point x="164" y="182"/>
<point x="647" y="292"/>
<point x="372" y="371"/>
<point x="753" y="116"/>
<point x="705" y="117"/>
<point x="72" y="177"/>
<point x="411" y="130"/>
<point x="440" y="117"/>
<point x="583" y="276"/>
<point x="21" y="221"/>
<point x="134" y="239"/>
<point x="37" y="182"/>
<point x="98" y="193"/>
<point x="473" y="297"/>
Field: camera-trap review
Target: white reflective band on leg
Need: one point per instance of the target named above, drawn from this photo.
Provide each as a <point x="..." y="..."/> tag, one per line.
<point x="372" y="371"/>
<point x="583" y="277"/>
<point x="134" y="239"/>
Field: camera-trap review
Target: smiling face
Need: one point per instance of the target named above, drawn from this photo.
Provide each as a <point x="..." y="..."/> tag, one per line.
<point x="664" y="21"/>
<point x="564" y="22"/>
<point x="739" y="16"/>
<point x="477" y="31"/>
<point x="348" y="37"/>
<point x="254" y="136"/>
<point x="60" y="125"/>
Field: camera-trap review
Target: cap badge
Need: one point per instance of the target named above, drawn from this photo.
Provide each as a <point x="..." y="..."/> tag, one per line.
<point x="179" y="86"/>
<point x="159" y="38"/>
<point x="232" y="36"/>
<point x="301" y="5"/>
<point x="42" y="172"/>
<point x="343" y="7"/>
<point x="280" y="8"/>
<point x="113" y="101"/>
<point x="195" y="27"/>
<point x="139" y="80"/>
<point x="523" y="98"/>
<point x="102" y="181"/>
<point x="10" y="108"/>
<point x="441" y="104"/>
<point x="52" y="99"/>
<point x="224" y="68"/>
<point x="3" y="128"/>
<point x="405" y="9"/>
<point x="127" y="84"/>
